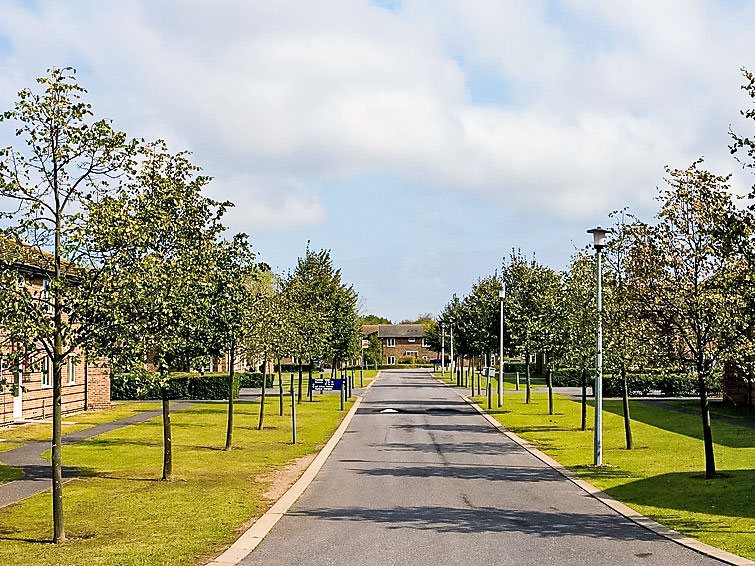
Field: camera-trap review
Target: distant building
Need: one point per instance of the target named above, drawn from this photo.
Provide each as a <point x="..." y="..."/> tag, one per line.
<point x="28" y="373"/>
<point x="401" y="341"/>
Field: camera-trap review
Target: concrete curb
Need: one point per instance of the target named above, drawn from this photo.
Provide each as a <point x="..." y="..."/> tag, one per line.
<point x="248" y="541"/>
<point x="626" y="511"/>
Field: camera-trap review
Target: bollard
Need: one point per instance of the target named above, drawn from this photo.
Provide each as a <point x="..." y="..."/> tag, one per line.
<point x="309" y="389"/>
<point x="293" y="411"/>
<point x="342" y="392"/>
<point x="517" y="381"/>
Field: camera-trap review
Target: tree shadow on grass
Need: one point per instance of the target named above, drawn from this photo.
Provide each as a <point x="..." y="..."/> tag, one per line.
<point x="686" y="424"/>
<point x="729" y="494"/>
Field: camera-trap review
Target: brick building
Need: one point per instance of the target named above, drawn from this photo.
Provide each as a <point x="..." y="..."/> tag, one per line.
<point x="28" y="374"/>
<point x="401" y="341"/>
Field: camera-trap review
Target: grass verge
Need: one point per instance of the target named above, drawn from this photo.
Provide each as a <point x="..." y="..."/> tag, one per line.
<point x="121" y="513"/>
<point x="662" y="477"/>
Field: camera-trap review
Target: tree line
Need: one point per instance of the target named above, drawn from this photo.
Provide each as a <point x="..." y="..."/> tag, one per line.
<point x="139" y="270"/>
<point x="679" y="294"/>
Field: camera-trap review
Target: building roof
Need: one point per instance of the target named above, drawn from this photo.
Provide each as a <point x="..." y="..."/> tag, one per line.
<point x="401" y="331"/>
<point x="368" y="329"/>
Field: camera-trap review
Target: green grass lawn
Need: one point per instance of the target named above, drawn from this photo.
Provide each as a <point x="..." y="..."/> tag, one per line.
<point x="121" y="513"/>
<point x="72" y="423"/>
<point x="662" y="477"/>
<point x="16" y="435"/>
<point x="509" y="381"/>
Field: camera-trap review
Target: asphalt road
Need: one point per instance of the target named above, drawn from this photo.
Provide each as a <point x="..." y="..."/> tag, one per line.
<point x="434" y="483"/>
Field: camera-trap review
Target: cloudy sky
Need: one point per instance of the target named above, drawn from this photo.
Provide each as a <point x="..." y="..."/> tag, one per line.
<point x="419" y="141"/>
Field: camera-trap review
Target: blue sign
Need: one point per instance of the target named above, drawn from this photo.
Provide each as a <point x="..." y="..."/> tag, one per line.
<point x="326" y="384"/>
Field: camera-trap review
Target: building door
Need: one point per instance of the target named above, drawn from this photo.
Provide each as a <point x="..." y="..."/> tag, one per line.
<point x="18" y="392"/>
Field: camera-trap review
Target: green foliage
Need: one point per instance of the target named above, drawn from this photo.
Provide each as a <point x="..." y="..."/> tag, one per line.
<point x="138" y="386"/>
<point x="373" y="319"/>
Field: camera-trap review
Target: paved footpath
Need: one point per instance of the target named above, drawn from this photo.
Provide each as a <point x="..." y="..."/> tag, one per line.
<point x="433" y="483"/>
<point x="38" y="472"/>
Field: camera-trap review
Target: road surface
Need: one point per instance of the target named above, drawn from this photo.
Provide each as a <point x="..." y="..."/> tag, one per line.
<point x="421" y="478"/>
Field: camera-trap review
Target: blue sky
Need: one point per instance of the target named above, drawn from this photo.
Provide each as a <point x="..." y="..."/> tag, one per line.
<point x="418" y="140"/>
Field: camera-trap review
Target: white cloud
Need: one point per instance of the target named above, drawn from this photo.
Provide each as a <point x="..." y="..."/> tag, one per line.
<point x="601" y="95"/>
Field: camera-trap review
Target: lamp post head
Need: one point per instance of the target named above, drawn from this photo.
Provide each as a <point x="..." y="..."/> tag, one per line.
<point x="502" y="292"/>
<point x="598" y="237"/>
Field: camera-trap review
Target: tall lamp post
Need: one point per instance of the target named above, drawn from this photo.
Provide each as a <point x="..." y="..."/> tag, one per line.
<point x="502" y="295"/>
<point x="599" y="242"/>
<point x="453" y="364"/>
<point x="443" y="349"/>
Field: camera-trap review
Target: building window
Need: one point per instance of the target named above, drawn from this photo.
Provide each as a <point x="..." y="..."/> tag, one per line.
<point x="46" y="372"/>
<point x="414" y="353"/>
<point x="391" y="360"/>
<point x="411" y="339"/>
<point x="390" y="342"/>
<point x="46" y="302"/>
<point x="424" y="343"/>
<point x="71" y="367"/>
<point x="425" y="358"/>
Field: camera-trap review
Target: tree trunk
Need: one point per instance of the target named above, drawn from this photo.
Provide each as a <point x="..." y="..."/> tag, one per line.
<point x="231" y="384"/>
<point x="710" y="463"/>
<point x="549" y="375"/>
<point x="625" y="403"/>
<point x="528" y="395"/>
<point x="309" y="383"/>
<point x="584" y="399"/>
<point x="264" y="387"/>
<point x="167" y="439"/>
<point x="280" y="389"/>
<point x="59" y="532"/>
<point x="298" y="399"/>
<point x="479" y="382"/>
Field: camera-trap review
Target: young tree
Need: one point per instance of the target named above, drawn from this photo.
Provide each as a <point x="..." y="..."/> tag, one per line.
<point x="225" y="329"/>
<point x="684" y="273"/>
<point x="157" y="242"/>
<point x="67" y="162"/>
<point x="580" y="319"/>
<point x="311" y="289"/>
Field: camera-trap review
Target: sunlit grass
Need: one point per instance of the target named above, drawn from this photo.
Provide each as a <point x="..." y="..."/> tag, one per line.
<point x="662" y="477"/>
<point x="121" y="513"/>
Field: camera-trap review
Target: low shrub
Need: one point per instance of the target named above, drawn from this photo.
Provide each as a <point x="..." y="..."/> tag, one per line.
<point x="135" y="386"/>
<point x="639" y="384"/>
<point x="405" y="366"/>
<point x="254" y="379"/>
<point x="294" y="368"/>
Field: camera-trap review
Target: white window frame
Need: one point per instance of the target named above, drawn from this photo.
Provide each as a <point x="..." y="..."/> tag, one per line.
<point x="424" y="343"/>
<point x="425" y="357"/>
<point x="48" y="307"/>
<point x="391" y="360"/>
<point x="414" y="353"/>
<point x="390" y="342"/>
<point x="71" y="370"/>
<point x="46" y="371"/>
<point x="411" y="339"/>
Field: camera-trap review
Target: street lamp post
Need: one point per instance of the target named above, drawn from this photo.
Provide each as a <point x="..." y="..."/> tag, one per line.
<point x="453" y="365"/>
<point x="443" y="349"/>
<point x="502" y="295"/>
<point x="599" y="242"/>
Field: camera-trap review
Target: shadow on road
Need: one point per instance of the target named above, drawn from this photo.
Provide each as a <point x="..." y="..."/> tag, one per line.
<point x="483" y="519"/>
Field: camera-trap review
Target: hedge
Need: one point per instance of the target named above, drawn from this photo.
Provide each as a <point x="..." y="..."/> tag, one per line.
<point x="405" y="366"/>
<point x="294" y="368"/>
<point x="127" y="386"/>
<point x="254" y="379"/>
<point x="668" y="384"/>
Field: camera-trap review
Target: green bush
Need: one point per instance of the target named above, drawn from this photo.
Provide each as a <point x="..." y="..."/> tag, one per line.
<point x="294" y="368"/>
<point x="255" y="380"/>
<point x="405" y="366"/>
<point x="132" y="386"/>
<point x="639" y="384"/>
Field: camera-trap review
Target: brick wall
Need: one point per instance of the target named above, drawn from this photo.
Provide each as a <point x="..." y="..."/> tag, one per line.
<point x="403" y="345"/>
<point x="735" y="386"/>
